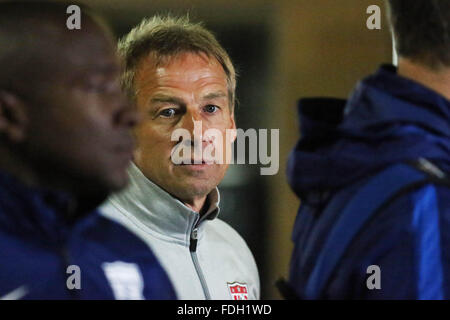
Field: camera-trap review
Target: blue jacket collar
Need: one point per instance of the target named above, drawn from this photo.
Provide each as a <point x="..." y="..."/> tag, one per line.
<point x="387" y="119"/>
<point x="34" y="211"/>
<point x="414" y="104"/>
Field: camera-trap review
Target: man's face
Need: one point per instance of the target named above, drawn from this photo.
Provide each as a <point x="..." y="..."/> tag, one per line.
<point x="80" y="122"/>
<point x="190" y="87"/>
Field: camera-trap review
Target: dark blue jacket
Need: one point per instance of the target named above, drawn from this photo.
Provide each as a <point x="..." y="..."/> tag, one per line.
<point x="38" y="244"/>
<point x="387" y="120"/>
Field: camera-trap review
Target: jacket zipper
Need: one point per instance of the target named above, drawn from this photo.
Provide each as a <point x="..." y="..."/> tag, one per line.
<point x="193" y="251"/>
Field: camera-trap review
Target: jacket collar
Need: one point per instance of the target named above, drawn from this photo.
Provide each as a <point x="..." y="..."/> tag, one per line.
<point x="371" y="104"/>
<point x="38" y="212"/>
<point x="147" y="204"/>
<point x="388" y="119"/>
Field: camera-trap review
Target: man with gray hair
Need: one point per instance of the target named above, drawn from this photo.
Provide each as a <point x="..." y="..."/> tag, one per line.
<point x="181" y="78"/>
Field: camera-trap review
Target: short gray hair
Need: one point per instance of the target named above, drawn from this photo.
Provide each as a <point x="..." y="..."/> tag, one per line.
<point x="166" y="37"/>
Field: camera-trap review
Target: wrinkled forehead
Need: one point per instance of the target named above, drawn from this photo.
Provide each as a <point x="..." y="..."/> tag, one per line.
<point x="183" y="67"/>
<point x="154" y="60"/>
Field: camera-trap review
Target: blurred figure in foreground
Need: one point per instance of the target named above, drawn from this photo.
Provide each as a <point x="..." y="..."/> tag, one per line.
<point x="372" y="173"/>
<point x="65" y="144"/>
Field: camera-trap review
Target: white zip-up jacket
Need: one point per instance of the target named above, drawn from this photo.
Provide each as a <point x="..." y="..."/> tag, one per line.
<point x="204" y="257"/>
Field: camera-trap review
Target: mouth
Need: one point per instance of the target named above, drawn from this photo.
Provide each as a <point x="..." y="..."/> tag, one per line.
<point x="190" y="165"/>
<point x="125" y="153"/>
<point x="194" y="167"/>
<point x="125" y="157"/>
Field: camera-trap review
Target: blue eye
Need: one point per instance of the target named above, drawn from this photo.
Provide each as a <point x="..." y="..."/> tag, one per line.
<point x="210" y="108"/>
<point x="167" y="113"/>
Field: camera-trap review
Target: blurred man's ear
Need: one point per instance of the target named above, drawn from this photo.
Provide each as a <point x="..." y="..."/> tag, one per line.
<point x="13" y="117"/>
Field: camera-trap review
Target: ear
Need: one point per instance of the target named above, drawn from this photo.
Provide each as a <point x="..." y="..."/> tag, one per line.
<point x="233" y="127"/>
<point x="13" y="117"/>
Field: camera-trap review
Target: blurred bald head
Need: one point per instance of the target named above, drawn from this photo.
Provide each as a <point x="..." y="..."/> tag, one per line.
<point x="64" y="121"/>
<point x="36" y="43"/>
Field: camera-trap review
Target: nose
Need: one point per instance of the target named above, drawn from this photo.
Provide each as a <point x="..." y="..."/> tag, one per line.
<point x="127" y="114"/>
<point x="192" y="122"/>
